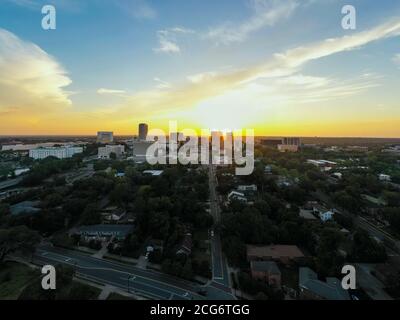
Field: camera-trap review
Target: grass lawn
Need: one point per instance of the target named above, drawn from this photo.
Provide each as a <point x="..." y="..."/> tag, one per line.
<point x="73" y="290"/>
<point x="116" y="296"/>
<point x="13" y="278"/>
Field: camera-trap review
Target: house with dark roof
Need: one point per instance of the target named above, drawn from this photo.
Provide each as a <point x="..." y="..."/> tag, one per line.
<point x="266" y="271"/>
<point x="311" y="288"/>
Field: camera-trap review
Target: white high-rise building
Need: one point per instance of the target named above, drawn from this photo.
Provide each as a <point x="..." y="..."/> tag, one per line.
<point x="60" y="153"/>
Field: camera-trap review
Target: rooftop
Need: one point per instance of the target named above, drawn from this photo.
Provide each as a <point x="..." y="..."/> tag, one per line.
<point x="330" y="290"/>
<point x="265" y="266"/>
<point x="153" y="172"/>
<point x="121" y="229"/>
<point x="275" y="251"/>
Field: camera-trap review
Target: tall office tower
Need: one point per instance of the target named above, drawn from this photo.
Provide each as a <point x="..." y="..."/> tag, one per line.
<point x="105" y="137"/>
<point x="143" y="130"/>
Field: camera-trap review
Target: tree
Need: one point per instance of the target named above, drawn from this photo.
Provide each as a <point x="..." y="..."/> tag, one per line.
<point x="91" y="215"/>
<point x="19" y="238"/>
<point x="113" y="156"/>
<point x="187" y="272"/>
<point x="367" y="250"/>
<point x="393" y="216"/>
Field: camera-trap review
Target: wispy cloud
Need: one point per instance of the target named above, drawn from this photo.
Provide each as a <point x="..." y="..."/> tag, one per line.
<point x="162" y="84"/>
<point x="138" y="9"/>
<point x="265" y="13"/>
<point x="104" y="91"/>
<point x="286" y="64"/>
<point x="30" y="77"/>
<point x="396" y="59"/>
<point x="168" y="39"/>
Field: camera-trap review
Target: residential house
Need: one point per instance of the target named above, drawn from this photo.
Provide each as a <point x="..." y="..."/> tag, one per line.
<point x="323" y="213"/>
<point x="235" y="195"/>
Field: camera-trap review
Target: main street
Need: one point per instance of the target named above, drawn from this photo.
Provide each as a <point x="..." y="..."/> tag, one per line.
<point x="151" y="284"/>
<point x="220" y="274"/>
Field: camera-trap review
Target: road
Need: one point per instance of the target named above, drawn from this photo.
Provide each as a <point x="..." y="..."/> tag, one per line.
<point x="151" y="284"/>
<point x="220" y="274"/>
<point x="10" y="183"/>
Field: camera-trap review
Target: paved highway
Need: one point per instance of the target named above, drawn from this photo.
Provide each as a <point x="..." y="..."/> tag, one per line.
<point x="147" y="283"/>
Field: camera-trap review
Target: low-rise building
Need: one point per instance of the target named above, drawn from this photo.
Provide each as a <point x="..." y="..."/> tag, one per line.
<point x="119" y="231"/>
<point x="267" y="271"/>
<point x="323" y="165"/>
<point x="105" y="152"/>
<point x="288" y="148"/>
<point x="313" y="289"/>
<point x="235" y="195"/>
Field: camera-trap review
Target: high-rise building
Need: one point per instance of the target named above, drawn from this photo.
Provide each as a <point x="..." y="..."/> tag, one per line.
<point x="143" y="130"/>
<point x="105" y="137"/>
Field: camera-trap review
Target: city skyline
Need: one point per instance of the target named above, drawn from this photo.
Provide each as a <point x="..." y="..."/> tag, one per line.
<point x="245" y="64"/>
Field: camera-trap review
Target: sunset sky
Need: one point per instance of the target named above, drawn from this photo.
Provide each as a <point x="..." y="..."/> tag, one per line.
<point x="281" y="67"/>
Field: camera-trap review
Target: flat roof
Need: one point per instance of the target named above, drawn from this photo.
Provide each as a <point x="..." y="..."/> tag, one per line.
<point x="106" y="228"/>
<point x="275" y="251"/>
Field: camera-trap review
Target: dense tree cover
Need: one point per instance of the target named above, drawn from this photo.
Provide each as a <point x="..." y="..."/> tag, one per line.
<point x="44" y="169"/>
<point x="366" y="249"/>
<point x="267" y="221"/>
<point x="18" y="238"/>
<point x="393" y="216"/>
<point x="328" y="261"/>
